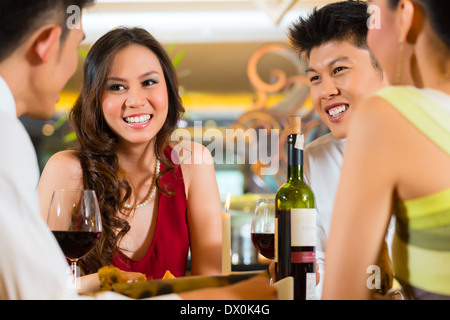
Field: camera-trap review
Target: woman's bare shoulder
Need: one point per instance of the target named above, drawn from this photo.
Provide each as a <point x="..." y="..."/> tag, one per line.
<point x="374" y="106"/>
<point x="189" y="152"/>
<point x="65" y="156"/>
<point x="64" y="162"/>
<point x="376" y="115"/>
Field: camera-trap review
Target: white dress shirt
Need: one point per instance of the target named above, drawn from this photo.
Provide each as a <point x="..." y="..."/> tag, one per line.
<point x="322" y="169"/>
<point x="32" y="265"/>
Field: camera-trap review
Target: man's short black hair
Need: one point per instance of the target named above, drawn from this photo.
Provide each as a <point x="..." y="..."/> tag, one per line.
<point x="19" y="18"/>
<point x="339" y="21"/>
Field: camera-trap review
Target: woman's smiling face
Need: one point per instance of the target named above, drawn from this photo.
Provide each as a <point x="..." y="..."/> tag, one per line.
<point x="135" y="100"/>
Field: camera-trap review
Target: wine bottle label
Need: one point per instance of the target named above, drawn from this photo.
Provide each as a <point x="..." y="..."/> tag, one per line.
<point x="303" y="257"/>
<point x="303" y="227"/>
<point x="299" y="141"/>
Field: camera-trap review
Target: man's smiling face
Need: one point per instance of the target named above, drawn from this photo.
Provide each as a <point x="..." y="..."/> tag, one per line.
<point x="341" y="75"/>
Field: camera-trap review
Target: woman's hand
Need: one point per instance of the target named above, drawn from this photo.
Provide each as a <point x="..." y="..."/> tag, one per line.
<point x="91" y="282"/>
<point x="134" y="276"/>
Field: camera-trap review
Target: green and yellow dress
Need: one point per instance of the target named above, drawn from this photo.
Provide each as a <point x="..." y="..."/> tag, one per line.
<point x="421" y="247"/>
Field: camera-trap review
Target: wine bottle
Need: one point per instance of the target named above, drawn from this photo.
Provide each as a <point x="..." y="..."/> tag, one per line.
<point x="295" y="225"/>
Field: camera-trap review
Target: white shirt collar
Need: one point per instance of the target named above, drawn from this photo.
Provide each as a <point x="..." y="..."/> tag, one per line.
<point x="340" y="141"/>
<point x="7" y="103"/>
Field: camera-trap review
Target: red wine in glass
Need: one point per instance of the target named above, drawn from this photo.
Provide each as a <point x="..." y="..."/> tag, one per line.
<point x="264" y="244"/>
<point x="76" y="244"/>
<point x="263" y="227"/>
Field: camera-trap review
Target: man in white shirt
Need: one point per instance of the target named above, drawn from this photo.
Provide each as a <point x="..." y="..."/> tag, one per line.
<point x="342" y="72"/>
<point x="38" y="54"/>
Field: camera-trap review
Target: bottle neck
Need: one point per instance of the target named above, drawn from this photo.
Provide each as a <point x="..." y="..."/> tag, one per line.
<point x="294" y="160"/>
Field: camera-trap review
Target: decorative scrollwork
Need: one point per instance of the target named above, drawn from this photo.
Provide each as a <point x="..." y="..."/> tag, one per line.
<point x="295" y="100"/>
<point x="275" y="9"/>
<point x="262" y="88"/>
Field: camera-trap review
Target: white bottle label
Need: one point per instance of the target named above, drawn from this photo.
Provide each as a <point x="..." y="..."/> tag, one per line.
<point x="299" y="142"/>
<point x="303" y="227"/>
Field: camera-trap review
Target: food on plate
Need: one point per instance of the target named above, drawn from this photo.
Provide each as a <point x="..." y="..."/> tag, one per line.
<point x="168" y="275"/>
<point x="110" y="276"/>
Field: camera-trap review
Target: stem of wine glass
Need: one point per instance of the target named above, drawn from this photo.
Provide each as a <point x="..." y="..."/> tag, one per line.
<point x="74" y="269"/>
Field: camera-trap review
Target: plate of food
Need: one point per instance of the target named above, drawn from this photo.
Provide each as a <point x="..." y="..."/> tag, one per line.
<point x="111" y="279"/>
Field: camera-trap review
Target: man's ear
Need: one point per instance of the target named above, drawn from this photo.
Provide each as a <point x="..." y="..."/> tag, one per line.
<point x="46" y="38"/>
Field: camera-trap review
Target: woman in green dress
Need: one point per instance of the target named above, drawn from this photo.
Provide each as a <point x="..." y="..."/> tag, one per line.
<point x="397" y="160"/>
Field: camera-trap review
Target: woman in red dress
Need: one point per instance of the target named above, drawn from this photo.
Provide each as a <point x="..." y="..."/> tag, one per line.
<point x="158" y="198"/>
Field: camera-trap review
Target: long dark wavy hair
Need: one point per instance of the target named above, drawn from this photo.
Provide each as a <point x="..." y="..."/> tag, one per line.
<point x="97" y="143"/>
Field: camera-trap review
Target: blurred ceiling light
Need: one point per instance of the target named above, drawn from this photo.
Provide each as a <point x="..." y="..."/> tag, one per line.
<point x="200" y="21"/>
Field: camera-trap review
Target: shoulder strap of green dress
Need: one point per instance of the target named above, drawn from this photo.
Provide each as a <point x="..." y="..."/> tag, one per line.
<point x="428" y="116"/>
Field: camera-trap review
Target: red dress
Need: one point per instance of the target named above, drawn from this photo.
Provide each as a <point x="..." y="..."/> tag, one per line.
<point x="170" y="246"/>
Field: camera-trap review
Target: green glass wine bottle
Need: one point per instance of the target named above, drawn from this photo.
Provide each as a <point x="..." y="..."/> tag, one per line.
<point x="295" y="231"/>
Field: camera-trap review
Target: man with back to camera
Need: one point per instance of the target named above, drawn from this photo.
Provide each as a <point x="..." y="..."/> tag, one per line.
<point x="342" y="72"/>
<point x="38" y="55"/>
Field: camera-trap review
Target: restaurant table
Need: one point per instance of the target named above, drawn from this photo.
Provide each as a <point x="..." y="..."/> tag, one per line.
<point x="152" y="288"/>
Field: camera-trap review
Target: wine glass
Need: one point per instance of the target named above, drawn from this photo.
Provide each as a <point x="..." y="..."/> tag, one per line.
<point x="263" y="227"/>
<point x="74" y="218"/>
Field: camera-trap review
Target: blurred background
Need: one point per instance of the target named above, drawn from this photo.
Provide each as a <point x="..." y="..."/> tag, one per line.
<point x="236" y="71"/>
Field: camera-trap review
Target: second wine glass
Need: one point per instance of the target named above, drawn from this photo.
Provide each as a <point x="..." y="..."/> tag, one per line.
<point x="263" y="227"/>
